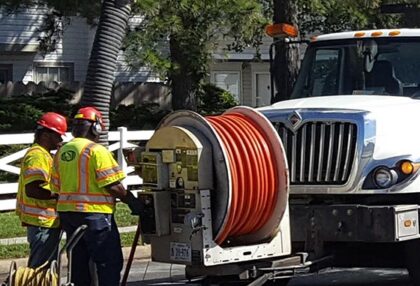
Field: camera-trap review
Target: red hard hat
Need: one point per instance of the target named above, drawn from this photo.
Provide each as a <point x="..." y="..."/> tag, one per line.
<point x="89" y="113"/>
<point x="53" y="121"/>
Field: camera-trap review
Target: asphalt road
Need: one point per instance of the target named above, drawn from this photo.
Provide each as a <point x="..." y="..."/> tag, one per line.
<point x="144" y="272"/>
<point x="355" y="277"/>
<point x="152" y="273"/>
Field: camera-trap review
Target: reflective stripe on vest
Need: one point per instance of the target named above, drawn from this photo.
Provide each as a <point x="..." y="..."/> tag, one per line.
<point x="84" y="169"/>
<point x="32" y="210"/>
<point x="55" y="178"/>
<point x="105" y="173"/>
<point x="101" y="199"/>
<point x="34" y="172"/>
<point x="55" y="181"/>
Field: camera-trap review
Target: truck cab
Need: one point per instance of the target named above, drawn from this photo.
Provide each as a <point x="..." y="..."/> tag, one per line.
<point x="351" y="137"/>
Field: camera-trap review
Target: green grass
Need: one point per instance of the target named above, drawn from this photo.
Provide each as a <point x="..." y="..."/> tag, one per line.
<point x="14" y="251"/>
<point x="11" y="226"/>
<point x="123" y="216"/>
<point x="127" y="239"/>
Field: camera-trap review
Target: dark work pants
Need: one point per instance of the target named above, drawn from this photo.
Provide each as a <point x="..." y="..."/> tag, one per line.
<point x="43" y="244"/>
<point x="101" y="243"/>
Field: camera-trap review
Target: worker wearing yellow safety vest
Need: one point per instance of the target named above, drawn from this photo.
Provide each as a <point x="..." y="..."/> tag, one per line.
<point x="87" y="178"/>
<point x="35" y="204"/>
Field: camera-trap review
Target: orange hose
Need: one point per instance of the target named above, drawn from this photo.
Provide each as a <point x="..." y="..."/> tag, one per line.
<point x="253" y="174"/>
<point x="251" y="181"/>
<point x="234" y="199"/>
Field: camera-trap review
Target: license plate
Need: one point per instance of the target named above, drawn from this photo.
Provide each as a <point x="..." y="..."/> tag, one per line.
<point x="180" y="252"/>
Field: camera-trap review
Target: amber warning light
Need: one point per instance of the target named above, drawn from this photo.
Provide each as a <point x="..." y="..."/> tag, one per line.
<point x="281" y="30"/>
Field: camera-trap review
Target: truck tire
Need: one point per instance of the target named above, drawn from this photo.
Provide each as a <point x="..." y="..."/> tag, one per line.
<point x="412" y="260"/>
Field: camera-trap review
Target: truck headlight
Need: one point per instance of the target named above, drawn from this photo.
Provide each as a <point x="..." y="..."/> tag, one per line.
<point x="384" y="177"/>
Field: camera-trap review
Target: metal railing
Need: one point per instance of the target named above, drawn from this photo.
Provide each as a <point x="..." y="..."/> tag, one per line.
<point x="118" y="140"/>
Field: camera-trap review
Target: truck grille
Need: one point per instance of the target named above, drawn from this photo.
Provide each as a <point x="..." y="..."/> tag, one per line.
<point x="319" y="153"/>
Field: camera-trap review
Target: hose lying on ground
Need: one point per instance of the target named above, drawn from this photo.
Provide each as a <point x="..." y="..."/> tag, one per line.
<point x="42" y="276"/>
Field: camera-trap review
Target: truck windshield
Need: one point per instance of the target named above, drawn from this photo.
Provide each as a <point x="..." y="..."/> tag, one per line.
<point x="381" y="66"/>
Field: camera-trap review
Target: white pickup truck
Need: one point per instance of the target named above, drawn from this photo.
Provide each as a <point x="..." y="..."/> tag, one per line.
<point x="352" y="137"/>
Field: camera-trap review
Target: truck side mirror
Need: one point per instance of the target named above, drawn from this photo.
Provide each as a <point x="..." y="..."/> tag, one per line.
<point x="369" y="50"/>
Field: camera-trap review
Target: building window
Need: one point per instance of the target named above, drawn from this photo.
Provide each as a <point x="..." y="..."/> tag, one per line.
<point x="6" y="73"/>
<point x="263" y="89"/>
<point x="59" y="72"/>
<point x="228" y="80"/>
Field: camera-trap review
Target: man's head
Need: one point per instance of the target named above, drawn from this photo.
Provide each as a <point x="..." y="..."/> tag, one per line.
<point x="88" y="123"/>
<point x="50" y="127"/>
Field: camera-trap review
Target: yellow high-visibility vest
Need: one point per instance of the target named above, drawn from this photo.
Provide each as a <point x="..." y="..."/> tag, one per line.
<point x="82" y="169"/>
<point x="36" y="166"/>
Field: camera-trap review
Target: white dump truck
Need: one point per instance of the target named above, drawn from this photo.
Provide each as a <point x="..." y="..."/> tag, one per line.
<point x="329" y="175"/>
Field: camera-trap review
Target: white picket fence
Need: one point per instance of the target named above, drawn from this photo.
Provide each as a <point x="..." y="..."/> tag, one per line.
<point x="118" y="140"/>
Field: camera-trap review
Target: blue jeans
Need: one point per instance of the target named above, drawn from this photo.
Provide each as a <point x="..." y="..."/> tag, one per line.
<point x="43" y="244"/>
<point x="101" y="243"/>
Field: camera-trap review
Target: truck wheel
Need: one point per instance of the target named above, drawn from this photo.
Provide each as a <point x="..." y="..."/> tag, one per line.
<point x="412" y="260"/>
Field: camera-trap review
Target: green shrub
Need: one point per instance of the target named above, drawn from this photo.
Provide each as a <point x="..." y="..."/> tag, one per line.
<point x="4" y="151"/>
<point x="19" y="113"/>
<point x="214" y="100"/>
<point x="143" y="117"/>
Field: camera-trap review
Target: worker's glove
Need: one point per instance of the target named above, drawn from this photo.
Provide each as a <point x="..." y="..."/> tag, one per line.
<point x="136" y="206"/>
